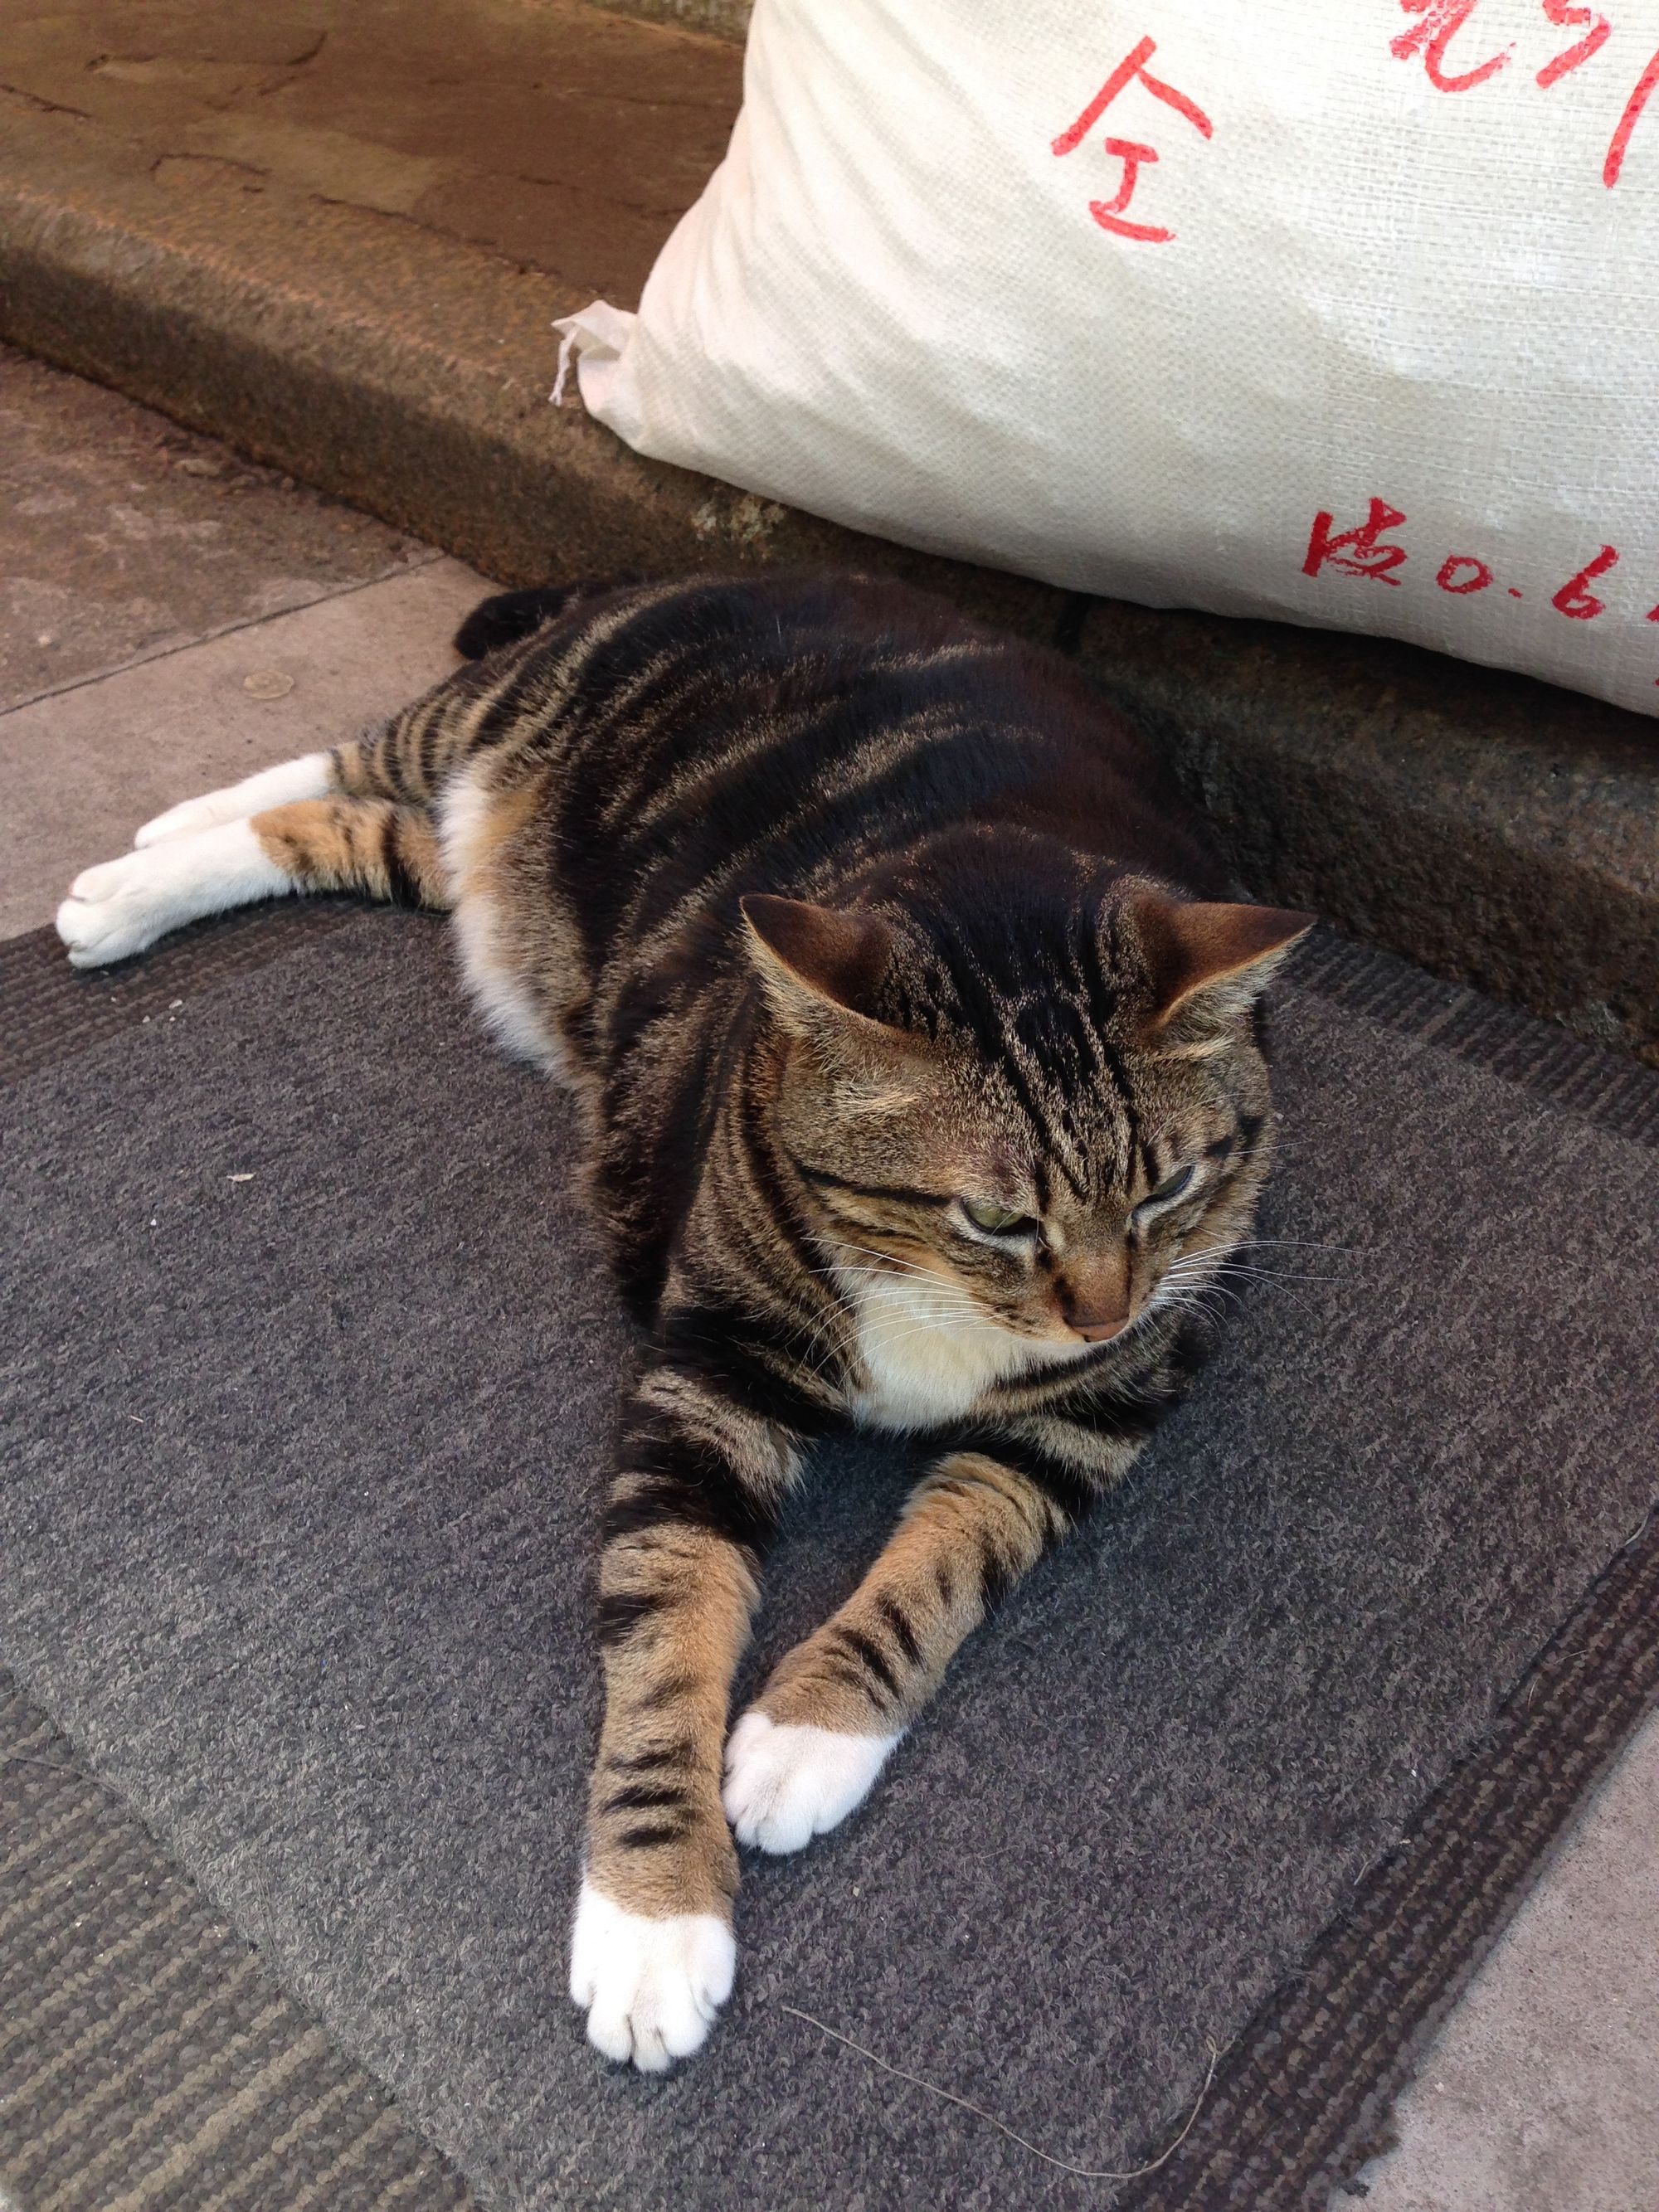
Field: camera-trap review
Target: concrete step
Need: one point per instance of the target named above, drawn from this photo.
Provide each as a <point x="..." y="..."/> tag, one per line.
<point x="335" y="234"/>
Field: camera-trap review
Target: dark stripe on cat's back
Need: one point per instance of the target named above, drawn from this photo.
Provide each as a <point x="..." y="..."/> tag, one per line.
<point x="751" y="787"/>
<point x="772" y="830"/>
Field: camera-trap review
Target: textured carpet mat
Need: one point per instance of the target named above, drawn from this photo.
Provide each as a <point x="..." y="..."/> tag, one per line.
<point x="309" y="1367"/>
<point x="147" y="2059"/>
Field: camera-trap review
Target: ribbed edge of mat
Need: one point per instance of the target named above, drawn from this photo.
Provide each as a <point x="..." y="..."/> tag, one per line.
<point x="1616" y="1093"/>
<point x="49" y="1011"/>
<point x="148" y="2061"/>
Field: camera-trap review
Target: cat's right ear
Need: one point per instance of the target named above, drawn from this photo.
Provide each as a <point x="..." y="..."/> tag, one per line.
<point x="1208" y="964"/>
<point x="820" y="964"/>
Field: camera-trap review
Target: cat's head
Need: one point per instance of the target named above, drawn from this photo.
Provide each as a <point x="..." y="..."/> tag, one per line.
<point x="1044" y="1116"/>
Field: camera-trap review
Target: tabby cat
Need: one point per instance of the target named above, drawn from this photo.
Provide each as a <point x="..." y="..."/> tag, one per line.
<point x="922" y="1088"/>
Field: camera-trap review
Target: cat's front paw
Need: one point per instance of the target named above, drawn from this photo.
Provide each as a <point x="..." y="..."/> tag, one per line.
<point x="786" y="1782"/>
<point x="651" y="1989"/>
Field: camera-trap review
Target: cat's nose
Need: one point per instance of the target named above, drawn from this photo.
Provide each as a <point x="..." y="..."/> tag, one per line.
<point x="1099" y="1332"/>
<point x="1095" y="1296"/>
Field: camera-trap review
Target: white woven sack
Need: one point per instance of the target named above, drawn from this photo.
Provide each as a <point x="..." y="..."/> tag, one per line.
<point x="1345" y="311"/>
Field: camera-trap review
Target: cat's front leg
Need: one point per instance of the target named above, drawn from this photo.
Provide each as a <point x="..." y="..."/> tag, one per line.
<point x="810" y="1746"/>
<point x="652" y="1951"/>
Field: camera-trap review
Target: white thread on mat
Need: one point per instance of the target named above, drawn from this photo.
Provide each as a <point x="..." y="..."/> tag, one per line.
<point x="1084" y="2173"/>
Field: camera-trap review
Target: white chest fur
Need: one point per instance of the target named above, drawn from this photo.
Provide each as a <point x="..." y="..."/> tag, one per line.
<point x="928" y="1359"/>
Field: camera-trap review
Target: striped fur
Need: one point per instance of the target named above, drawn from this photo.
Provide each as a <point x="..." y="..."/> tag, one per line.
<point x="842" y="917"/>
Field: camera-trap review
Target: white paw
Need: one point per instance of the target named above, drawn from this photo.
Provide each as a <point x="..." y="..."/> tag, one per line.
<point x="305" y="778"/>
<point x="786" y="1783"/>
<point x="650" y="1988"/>
<point x="124" y="905"/>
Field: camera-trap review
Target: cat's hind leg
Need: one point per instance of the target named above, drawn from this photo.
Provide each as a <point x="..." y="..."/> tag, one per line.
<point x="408" y="756"/>
<point x="371" y="845"/>
<point x="311" y="777"/>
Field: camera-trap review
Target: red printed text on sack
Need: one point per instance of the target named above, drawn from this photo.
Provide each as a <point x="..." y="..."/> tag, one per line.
<point x="1442" y="24"/>
<point x="1111" y="215"/>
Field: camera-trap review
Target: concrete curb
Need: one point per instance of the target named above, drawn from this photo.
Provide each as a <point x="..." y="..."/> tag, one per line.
<point x="722" y="19"/>
<point x="1498" y="830"/>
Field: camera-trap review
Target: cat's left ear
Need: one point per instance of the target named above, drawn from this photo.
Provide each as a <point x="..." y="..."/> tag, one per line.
<point x="816" y="960"/>
<point x="1209" y="961"/>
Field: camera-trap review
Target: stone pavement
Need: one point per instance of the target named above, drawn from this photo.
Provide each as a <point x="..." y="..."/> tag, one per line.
<point x="146" y="574"/>
<point x="544" y="133"/>
<point x="336" y="233"/>
<point x="172" y="618"/>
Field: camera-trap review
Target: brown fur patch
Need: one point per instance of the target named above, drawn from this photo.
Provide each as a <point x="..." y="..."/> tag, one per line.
<point x="373" y="846"/>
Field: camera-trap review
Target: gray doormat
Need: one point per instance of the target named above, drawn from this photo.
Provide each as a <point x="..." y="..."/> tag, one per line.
<point x="302" y="1478"/>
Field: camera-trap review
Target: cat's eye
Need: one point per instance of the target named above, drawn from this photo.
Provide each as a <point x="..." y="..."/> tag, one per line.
<point x="996" y="1220"/>
<point x="1171" y="1187"/>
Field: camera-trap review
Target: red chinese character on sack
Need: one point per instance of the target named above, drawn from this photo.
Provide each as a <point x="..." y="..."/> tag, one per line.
<point x="1442" y="21"/>
<point x="1627" y="123"/>
<point x="1108" y="214"/>
<point x="1357" y="552"/>
<point x="1568" y="17"/>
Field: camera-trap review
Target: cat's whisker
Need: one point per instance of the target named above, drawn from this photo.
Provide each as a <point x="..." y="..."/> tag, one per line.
<point x="823" y="1333"/>
<point x="1219" y="1260"/>
<point x="888" y="1328"/>
<point x="1302" y="1244"/>
<point x="923" y="1283"/>
<point x="880" y="1329"/>
<point x="917" y="1298"/>
<point x="892" y="1264"/>
<point x="1265" y="1274"/>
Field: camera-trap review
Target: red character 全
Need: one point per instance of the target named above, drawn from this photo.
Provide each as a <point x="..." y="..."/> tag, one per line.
<point x="1108" y="214"/>
<point x="1442" y="21"/>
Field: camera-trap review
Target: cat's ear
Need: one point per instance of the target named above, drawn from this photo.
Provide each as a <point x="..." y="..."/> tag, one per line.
<point x="1207" y="964"/>
<point x="817" y="959"/>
